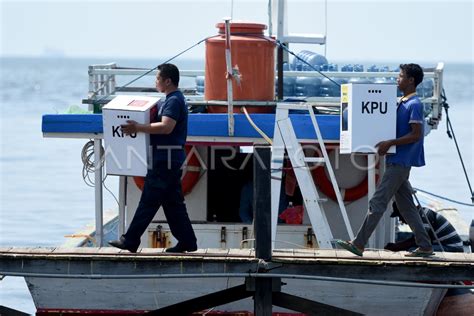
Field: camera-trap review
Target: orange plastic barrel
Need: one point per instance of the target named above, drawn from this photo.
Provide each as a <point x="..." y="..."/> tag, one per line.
<point x="255" y="58"/>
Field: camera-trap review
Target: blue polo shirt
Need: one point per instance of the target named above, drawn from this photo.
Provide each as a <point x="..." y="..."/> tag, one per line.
<point x="409" y="111"/>
<point x="171" y="146"/>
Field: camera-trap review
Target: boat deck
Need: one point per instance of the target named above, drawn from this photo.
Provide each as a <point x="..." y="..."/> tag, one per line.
<point x="113" y="263"/>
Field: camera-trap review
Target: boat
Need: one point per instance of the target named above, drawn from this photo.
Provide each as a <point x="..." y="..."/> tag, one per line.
<point x="221" y="130"/>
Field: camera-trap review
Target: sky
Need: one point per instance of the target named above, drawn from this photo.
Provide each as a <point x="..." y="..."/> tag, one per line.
<point x="399" y="31"/>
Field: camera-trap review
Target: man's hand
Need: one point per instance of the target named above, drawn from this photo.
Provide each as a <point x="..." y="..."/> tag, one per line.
<point x="382" y="147"/>
<point x="132" y="127"/>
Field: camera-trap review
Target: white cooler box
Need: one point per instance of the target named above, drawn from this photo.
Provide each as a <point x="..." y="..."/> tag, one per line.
<point x="127" y="155"/>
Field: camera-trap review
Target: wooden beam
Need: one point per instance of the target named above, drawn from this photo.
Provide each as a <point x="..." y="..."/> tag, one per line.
<point x="262" y="202"/>
<point x="312" y="308"/>
<point x="204" y="302"/>
<point x="262" y="226"/>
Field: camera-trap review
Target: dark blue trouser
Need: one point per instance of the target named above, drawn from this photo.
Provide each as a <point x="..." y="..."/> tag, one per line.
<point x="162" y="188"/>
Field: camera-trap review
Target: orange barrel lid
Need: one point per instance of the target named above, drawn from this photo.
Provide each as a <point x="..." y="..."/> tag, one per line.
<point x="242" y="27"/>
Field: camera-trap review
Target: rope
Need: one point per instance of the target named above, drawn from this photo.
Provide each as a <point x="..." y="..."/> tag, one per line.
<point x="283" y="46"/>
<point x="88" y="166"/>
<point x="450" y="132"/>
<point x="262" y="133"/>
<point x="444" y="198"/>
<point x="156" y="67"/>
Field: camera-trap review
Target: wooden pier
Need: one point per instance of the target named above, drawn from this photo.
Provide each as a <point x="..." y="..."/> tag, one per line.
<point x="109" y="262"/>
<point x="375" y="267"/>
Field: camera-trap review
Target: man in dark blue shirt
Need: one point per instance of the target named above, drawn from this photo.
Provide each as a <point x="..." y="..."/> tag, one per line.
<point x="163" y="182"/>
<point x="394" y="183"/>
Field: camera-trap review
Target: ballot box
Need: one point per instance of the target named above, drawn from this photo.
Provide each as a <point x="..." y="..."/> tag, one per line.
<point x="127" y="155"/>
<point x="368" y="116"/>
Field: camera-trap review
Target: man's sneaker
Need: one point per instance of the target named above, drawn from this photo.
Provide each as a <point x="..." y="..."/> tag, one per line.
<point x="180" y="249"/>
<point x="350" y="247"/>
<point x="419" y="252"/>
<point x="122" y="244"/>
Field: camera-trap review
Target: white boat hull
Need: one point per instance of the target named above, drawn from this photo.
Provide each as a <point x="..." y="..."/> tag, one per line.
<point x="83" y="295"/>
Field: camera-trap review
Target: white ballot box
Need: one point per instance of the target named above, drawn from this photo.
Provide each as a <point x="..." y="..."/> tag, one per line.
<point x="127" y="154"/>
<point x="368" y="116"/>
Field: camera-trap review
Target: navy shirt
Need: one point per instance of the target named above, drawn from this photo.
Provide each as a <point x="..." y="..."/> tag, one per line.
<point x="171" y="146"/>
<point x="409" y="111"/>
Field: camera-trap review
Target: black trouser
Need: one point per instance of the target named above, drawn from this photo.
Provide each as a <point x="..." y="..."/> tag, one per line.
<point x="162" y="188"/>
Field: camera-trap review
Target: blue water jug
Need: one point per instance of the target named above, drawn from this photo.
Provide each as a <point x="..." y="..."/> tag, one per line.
<point x="312" y="58"/>
<point x="307" y="86"/>
<point x="347" y="68"/>
<point x="288" y="86"/>
<point x="200" y="84"/>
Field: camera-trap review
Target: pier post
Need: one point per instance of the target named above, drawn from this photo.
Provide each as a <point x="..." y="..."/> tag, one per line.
<point x="280" y="73"/>
<point x="262" y="226"/>
<point x="122" y="204"/>
<point x="99" y="231"/>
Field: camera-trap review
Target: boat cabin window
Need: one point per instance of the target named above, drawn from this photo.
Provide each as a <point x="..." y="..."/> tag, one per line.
<point x="230" y="182"/>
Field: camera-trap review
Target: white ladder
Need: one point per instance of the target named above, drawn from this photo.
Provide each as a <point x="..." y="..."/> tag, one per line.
<point x="284" y="137"/>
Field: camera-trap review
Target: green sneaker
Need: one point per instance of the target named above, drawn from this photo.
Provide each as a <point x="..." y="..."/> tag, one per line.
<point x="349" y="247"/>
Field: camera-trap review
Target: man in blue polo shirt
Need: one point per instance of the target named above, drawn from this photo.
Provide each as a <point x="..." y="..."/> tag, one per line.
<point x="409" y="142"/>
<point x="163" y="182"/>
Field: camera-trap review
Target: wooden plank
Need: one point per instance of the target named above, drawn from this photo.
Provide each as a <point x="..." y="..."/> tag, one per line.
<point x="152" y="251"/>
<point x="5" y="249"/>
<point x="392" y="256"/>
<point x="372" y="255"/>
<point x="200" y="252"/>
<point x="245" y="253"/>
<point x="325" y="253"/>
<point x="42" y="250"/>
<point x="108" y="251"/>
<point x="217" y="252"/>
<point x="344" y="254"/>
<point x="283" y="252"/>
<point x="73" y="251"/>
<point x="305" y="253"/>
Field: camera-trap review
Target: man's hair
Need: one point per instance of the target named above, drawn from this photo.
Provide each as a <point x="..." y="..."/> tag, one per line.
<point x="169" y="71"/>
<point x="413" y="71"/>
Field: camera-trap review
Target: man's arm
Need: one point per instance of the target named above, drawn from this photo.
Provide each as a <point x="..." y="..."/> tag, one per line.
<point x="415" y="135"/>
<point x="166" y="126"/>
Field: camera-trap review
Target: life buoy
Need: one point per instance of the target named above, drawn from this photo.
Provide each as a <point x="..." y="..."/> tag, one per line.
<point x="190" y="176"/>
<point x="324" y="184"/>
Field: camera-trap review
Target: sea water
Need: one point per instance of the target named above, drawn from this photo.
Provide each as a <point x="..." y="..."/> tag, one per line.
<point x="42" y="193"/>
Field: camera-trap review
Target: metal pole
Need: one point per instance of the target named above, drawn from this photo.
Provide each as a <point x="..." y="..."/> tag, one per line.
<point x="425" y="215"/>
<point x="99" y="233"/>
<point x="373" y="240"/>
<point x="262" y="226"/>
<point x="280" y="72"/>
<point x="230" y="96"/>
<point x="122" y="203"/>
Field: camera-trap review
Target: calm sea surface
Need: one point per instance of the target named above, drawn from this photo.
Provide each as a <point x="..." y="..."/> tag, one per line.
<point x="43" y="196"/>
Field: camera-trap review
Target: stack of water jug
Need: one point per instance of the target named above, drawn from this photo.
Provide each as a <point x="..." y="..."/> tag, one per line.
<point x="305" y="86"/>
